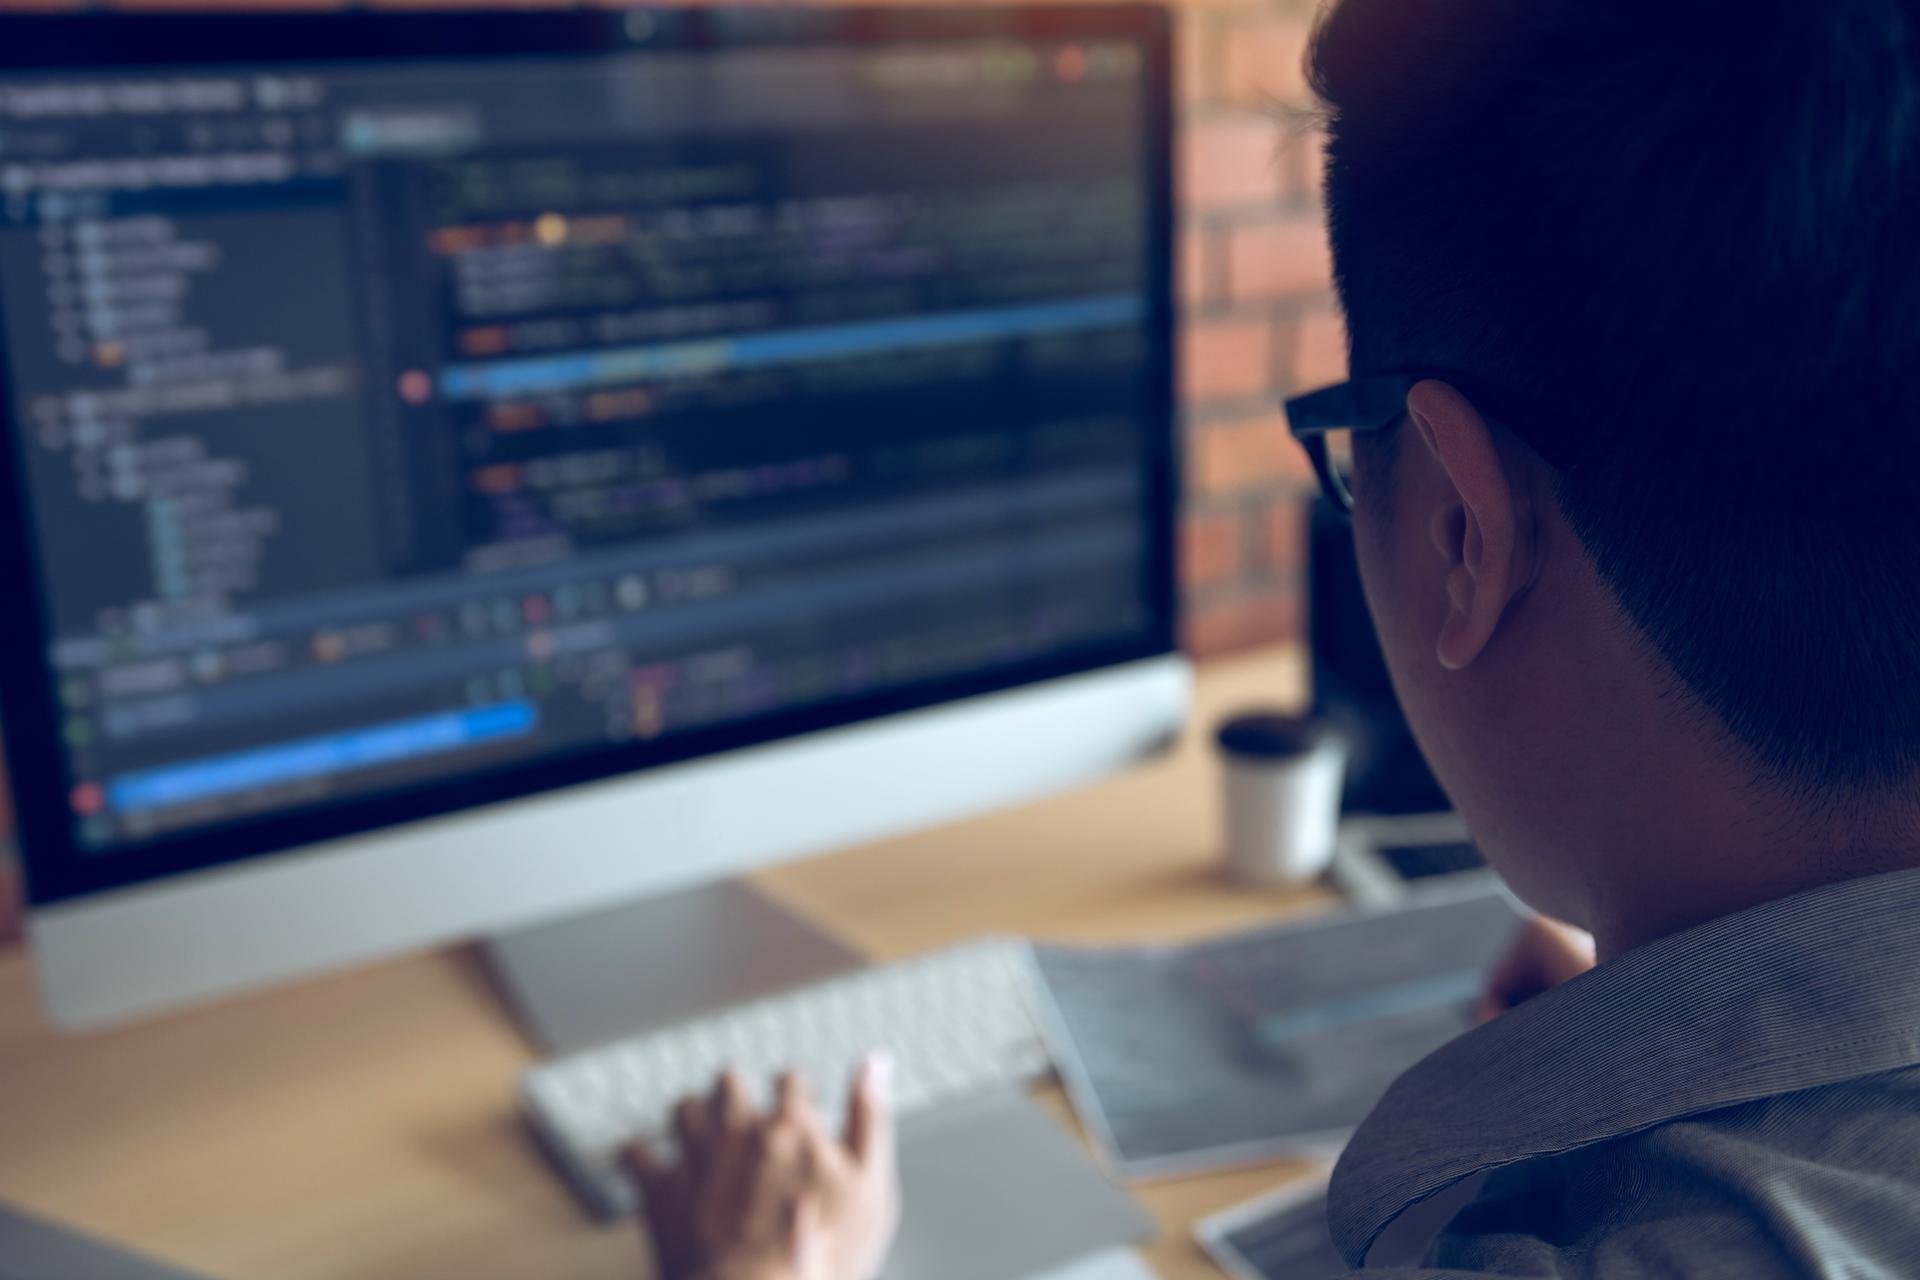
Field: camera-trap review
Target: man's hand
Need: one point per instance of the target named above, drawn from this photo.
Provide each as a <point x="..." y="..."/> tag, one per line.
<point x="773" y="1196"/>
<point x="1543" y="954"/>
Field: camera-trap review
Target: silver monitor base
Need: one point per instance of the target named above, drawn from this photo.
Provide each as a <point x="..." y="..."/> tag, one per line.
<point x="589" y="979"/>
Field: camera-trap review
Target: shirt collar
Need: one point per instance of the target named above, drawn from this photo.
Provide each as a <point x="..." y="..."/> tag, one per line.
<point x="1804" y="991"/>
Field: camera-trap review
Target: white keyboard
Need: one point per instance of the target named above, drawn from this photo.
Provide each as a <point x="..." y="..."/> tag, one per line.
<point x="957" y="1022"/>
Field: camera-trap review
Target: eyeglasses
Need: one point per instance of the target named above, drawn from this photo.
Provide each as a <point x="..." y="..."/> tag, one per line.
<point x="1326" y="421"/>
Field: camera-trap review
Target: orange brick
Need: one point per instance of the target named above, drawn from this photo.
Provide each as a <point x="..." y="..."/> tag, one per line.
<point x="1227" y="358"/>
<point x="1273" y="260"/>
<point x="1319" y="351"/>
<point x="1283" y="536"/>
<point x="1303" y="157"/>
<point x="1210" y="544"/>
<point x="1230" y="161"/>
<point x="1247" y="453"/>
<point x="1263" y="62"/>
<point x="1198" y="67"/>
<point x="1202" y="263"/>
<point x="1269" y="616"/>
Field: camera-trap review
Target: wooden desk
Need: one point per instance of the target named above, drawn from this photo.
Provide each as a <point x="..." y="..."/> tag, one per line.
<point x="365" y="1126"/>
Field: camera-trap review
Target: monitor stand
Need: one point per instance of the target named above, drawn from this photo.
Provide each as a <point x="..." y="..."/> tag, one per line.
<point x="588" y="979"/>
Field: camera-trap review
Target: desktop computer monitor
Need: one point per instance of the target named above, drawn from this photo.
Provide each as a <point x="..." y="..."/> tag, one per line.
<point x="464" y="469"/>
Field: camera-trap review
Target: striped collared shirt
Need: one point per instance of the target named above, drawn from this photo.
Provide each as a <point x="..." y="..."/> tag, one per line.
<point x="1741" y="1100"/>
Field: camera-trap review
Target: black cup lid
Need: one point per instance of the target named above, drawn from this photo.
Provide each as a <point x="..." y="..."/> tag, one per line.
<point x="1273" y="735"/>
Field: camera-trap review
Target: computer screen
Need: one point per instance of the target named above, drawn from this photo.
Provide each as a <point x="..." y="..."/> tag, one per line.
<point x="403" y="415"/>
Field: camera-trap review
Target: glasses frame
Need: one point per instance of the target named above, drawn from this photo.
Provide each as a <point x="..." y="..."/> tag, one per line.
<point x="1361" y="405"/>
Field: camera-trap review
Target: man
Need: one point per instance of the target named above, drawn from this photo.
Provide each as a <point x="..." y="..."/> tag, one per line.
<point x="1634" y="299"/>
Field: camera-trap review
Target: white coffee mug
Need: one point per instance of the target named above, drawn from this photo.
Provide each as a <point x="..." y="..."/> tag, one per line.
<point x="1283" y="776"/>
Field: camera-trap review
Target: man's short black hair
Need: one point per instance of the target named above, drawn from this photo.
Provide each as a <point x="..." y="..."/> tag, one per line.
<point x="1686" y="235"/>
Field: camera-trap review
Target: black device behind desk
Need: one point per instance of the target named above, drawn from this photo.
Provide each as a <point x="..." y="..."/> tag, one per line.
<point x="1399" y="819"/>
<point x="1385" y="771"/>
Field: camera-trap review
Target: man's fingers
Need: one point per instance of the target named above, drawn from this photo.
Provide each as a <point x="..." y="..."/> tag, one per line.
<point x="1518" y="975"/>
<point x="731" y="1105"/>
<point x="794" y="1101"/>
<point x="777" y="1148"/>
<point x="692" y="1124"/>
<point x="806" y="1238"/>
<point x="693" y="1133"/>
<point x="1542" y="955"/>
<point x="1566" y="951"/>
<point x="870" y="1112"/>
<point x="646" y="1166"/>
<point x="1516" y="964"/>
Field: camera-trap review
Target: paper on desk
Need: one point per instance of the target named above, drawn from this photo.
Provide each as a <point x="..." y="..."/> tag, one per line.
<point x="1237" y="1050"/>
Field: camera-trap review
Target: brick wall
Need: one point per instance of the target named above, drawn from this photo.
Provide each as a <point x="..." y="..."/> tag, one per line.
<point x="1257" y="316"/>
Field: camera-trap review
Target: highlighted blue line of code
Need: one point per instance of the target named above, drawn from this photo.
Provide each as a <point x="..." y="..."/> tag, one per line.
<point x="320" y="757"/>
<point x="542" y="374"/>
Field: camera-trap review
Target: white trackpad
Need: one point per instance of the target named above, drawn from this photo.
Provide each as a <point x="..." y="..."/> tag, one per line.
<point x="994" y="1189"/>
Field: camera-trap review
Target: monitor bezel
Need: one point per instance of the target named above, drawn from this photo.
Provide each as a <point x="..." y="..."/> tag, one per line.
<point x="59" y="869"/>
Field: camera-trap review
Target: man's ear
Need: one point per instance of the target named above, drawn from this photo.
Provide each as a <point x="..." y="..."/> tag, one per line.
<point x="1483" y="528"/>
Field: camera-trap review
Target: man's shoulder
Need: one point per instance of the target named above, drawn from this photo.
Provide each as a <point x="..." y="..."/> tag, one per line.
<point x="1770" y="1052"/>
<point x="1813" y="1181"/>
